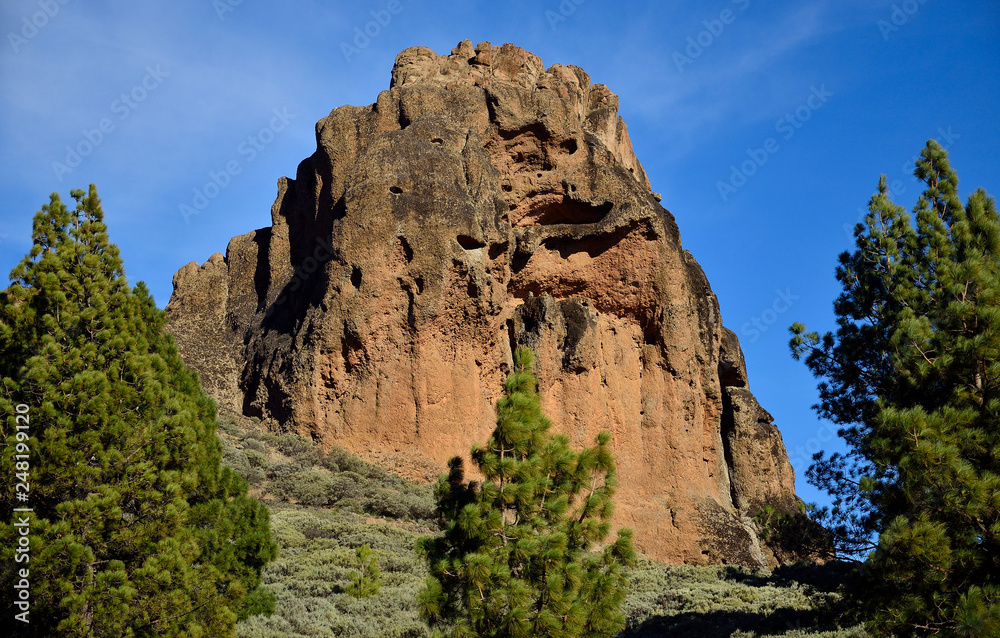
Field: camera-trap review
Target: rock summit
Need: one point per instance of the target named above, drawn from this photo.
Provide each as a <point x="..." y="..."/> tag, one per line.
<point x="481" y="203"/>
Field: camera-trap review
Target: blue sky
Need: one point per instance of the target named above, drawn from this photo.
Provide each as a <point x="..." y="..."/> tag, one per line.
<point x="765" y="126"/>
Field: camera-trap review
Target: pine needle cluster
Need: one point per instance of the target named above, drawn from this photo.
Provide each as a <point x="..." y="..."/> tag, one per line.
<point x="365" y="582"/>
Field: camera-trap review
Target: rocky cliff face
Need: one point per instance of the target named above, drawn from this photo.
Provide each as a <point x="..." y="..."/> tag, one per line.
<point x="484" y="202"/>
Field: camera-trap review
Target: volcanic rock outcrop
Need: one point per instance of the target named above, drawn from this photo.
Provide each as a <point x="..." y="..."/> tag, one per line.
<point x="481" y="203"/>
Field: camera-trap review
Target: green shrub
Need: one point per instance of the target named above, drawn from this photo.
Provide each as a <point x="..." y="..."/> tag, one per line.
<point x="229" y="423"/>
<point x="345" y="461"/>
<point x="345" y="486"/>
<point x="730" y="601"/>
<point x="252" y="443"/>
<point x="318" y="544"/>
<point x="316" y="558"/>
<point x="291" y="444"/>
<point x="308" y="487"/>
<point x="256" y="458"/>
<point x="309" y="458"/>
<point x="255" y="476"/>
<point x="236" y="459"/>
<point x="312" y="533"/>
<point x="279" y="471"/>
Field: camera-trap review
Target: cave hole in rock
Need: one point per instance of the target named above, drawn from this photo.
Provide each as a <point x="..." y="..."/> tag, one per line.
<point x="650" y="334"/>
<point x="395" y="190"/>
<point x="497" y="249"/>
<point x="469" y="243"/>
<point x="520" y="261"/>
<point x="411" y="314"/>
<point x="437" y="141"/>
<point x="570" y="146"/>
<point x="356" y="278"/>
<point x="566" y="211"/>
<point x="405" y="247"/>
<point x="350" y="349"/>
<point x="596" y="245"/>
<point x="535" y="130"/>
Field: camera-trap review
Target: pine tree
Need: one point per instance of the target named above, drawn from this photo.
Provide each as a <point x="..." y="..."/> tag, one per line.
<point x="364" y="582"/>
<point x="136" y="529"/>
<point x="913" y="376"/>
<point x="514" y="560"/>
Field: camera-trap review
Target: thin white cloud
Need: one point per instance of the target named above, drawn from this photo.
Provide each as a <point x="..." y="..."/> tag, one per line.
<point x="218" y="87"/>
<point x="745" y="76"/>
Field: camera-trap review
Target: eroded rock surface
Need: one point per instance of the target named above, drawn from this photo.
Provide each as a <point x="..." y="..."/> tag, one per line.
<point x="483" y="202"/>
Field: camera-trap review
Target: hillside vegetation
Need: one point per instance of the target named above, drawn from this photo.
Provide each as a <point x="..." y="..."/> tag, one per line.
<point x="324" y="505"/>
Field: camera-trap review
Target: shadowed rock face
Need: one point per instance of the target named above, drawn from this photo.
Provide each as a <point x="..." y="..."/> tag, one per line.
<point x="481" y="203"/>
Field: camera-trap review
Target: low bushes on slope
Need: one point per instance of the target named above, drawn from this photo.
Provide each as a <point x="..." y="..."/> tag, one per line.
<point x="325" y="505"/>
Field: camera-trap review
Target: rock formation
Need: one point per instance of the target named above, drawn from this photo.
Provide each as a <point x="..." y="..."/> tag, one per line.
<point x="483" y="202"/>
